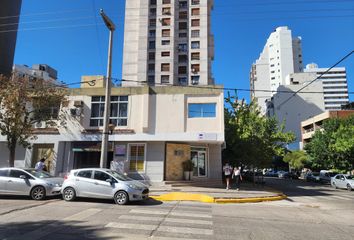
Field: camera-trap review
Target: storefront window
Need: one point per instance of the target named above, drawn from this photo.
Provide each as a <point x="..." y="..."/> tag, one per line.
<point x="136" y="157"/>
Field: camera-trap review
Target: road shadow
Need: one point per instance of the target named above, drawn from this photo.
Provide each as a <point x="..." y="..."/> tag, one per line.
<point x="17" y="197"/>
<point x="147" y="202"/>
<point x="53" y="230"/>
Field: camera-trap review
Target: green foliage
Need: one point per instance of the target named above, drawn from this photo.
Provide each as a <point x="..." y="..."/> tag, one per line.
<point x="252" y="139"/>
<point x="296" y="159"/>
<point x="23" y="103"/>
<point x="333" y="146"/>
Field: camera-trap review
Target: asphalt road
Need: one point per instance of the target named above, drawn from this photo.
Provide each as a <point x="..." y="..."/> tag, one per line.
<point x="311" y="212"/>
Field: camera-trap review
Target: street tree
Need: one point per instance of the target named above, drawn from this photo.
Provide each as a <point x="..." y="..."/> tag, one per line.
<point x="25" y="101"/>
<point x="251" y="138"/>
<point x="296" y="159"/>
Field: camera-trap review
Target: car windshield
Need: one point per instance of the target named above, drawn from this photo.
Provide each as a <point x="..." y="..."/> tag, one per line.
<point x="350" y="177"/>
<point x="39" y="174"/>
<point x="332" y="174"/>
<point x="119" y="176"/>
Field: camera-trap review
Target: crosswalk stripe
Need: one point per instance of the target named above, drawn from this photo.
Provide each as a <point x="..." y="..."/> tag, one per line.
<point x="171" y="220"/>
<point x="140" y="218"/>
<point x="191" y="221"/>
<point x="131" y="226"/>
<point x="341" y="197"/>
<point x="152" y="212"/>
<point x="185" y="230"/>
<point x="82" y="215"/>
<point x="188" y="214"/>
<point x="178" y="213"/>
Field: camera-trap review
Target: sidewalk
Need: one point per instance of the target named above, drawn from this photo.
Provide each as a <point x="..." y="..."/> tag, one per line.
<point x="214" y="192"/>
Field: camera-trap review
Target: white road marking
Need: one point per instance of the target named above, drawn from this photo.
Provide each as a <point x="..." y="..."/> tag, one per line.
<point x="152" y="212"/>
<point x="131" y="226"/>
<point x="140" y="218"/>
<point x="185" y="230"/>
<point x="172" y="220"/>
<point x="191" y="221"/>
<point x="82" y="215"/>
<point x="188" y="214"/>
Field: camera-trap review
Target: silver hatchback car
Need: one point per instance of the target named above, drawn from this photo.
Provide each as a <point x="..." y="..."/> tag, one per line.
<point x="36" y="184"/>
<point x="102" y="183"/>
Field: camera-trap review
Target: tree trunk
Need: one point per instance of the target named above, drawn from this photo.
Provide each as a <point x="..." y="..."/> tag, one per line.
<point x="12" y="155"/>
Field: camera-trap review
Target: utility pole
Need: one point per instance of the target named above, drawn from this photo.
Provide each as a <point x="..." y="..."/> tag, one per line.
<point x="107" y="108"/>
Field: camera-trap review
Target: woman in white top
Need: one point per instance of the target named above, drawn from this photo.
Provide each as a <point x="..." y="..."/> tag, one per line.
<point x="238" y="177"/>
<point x="227" y="169"/>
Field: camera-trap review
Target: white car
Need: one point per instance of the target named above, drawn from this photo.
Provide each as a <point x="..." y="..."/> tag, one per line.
<point x="343" y="181"/>
<point x="102" y="183"/>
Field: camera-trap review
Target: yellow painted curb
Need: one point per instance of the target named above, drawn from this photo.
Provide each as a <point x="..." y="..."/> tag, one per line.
<point x="181" y="196"/>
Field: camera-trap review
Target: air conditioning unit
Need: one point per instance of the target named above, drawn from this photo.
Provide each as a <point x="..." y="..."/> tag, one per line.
<point x="78" y="103"/>
<point x="40" y="125"/>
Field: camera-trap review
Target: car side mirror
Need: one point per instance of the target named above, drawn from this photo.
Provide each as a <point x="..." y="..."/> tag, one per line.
<point x="23" y="176"/>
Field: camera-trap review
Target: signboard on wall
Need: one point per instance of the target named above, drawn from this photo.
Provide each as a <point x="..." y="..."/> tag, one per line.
<point x="120" y="150"/>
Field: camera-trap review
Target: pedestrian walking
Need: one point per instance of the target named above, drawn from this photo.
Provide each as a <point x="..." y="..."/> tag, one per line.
<point x="238" y="177"/>
<point x="227" y="172"/>
<point x="40" y="166"/>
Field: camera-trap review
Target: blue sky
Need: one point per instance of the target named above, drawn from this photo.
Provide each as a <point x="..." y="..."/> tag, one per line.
<point x="69" y="35"/>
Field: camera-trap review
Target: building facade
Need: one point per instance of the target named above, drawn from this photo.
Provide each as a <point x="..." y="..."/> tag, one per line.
<point x="42" y="71"/>
<point x="168" y="42"/>
<point x="156" y="129"/>
<point x="9" y="18"/>
<point x="282" y="55"/>
<point x="335" y="86"/>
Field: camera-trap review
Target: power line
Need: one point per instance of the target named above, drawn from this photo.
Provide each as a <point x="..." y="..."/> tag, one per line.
<point x="44" y="13"/>
<point x="318" y="77"/>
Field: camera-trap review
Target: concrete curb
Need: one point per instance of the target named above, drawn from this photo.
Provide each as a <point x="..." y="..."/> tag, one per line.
<point x="183" y="196"/>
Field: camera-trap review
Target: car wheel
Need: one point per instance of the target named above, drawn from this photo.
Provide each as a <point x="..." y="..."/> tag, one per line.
<point x="349" y="188"/>
<point x="38" y="193"/>
<point x="121" y="198"/>
<point x="69" y="194"/>
<point x="334" y="186"/>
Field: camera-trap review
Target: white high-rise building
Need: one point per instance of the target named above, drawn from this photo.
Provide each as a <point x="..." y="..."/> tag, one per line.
<point x="282" y="55"/>
<point x="335" y="86"/>
<point x="168" y="42"/>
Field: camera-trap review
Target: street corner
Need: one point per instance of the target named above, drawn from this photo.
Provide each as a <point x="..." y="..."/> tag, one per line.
<point x="183" y="196"/>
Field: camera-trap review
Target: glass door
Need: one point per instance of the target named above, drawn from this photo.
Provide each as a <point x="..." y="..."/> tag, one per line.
<point x="199" y="159"/>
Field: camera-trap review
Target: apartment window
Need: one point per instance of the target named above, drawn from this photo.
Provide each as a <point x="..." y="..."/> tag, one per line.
<point x="201" y="110"/>
<point x="195" y="12"/>
<point x="119" y="111"/>
<point x="166" y="21"/>
<point x="182" y="47"/>
<point x="153" y="11"/>
<point x="182" y="58"/>
<point x="195" y="80"/>
<point x="151" y="80"/>
<point x="165" y="67"/>
<point x="152" y="44"/>
<point x="195" y="56"/>
<point x="166" y="1"/>
<point x="182" y="80"/>
<point x="195" y="33"/>
<point x="195" y="22"/>
<point x="151" y="56"/>
<point x="165" y="42"/>
<point x="166" y="32"/>
<point x="136" y="157"/>
<point x="195" y="68"/>
<point x="272" y="65"/>
<point x="273" y="78"/>
<point x="183" y="15"/>
<point x="182" y="70"/>
<point x="152" y="33"/>
<point x="182" y="34"/>
<point x="182" y="26"/>
<point x="152" y="2"/>
<point x="165" y="54"/>
<point x="152" y="22"/>
<point x="166" y="11"/>
<point x="165" y="79"/>
<point x="195" y="45"/>
<point x="151" y="68"/>
<point x="195" y="2"/>
<point x="183" y="4"/>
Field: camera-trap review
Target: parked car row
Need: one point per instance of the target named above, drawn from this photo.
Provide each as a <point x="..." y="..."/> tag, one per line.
<point x="343" y="181"/>
<point x="281" y="174"/>
<point x="88" y="182"/>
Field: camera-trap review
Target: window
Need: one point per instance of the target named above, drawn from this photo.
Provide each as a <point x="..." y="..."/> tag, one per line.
<point x="152" y="33"/>
<point x="151" y="80"/>
<point x="152" y="44"/>
<point x="101" y="176"/>
<point x="165" y="79"/>
<point x="85" y="174"/>
<point x="182" y="58"/>
<point x="195" y="56"/>
<point x="152" y="11"/>
<point x="152" y="2"/>
<point x="18" y="173"/>
<point x="195" y="12"/>
<point x="119" y="110"/>
<point x="136" y="157"/>
<point x="182" y="25"/>
<point x="3" y="173"/>
<point x="183" y="15"/>
<point x="151" y="56"/>
<point x="166" y="1"/>
<point x="195" y="68"/>
<point x="166" y="21"/>
<point x="165" y="54"/>
<point x="182" y="80"/>
<point x="182" y="47"/>
<point x="166" y="32"/>
<point x="166" y="11"/>
<point x="183" y="4"/>
<point x="195" y="80"/>
<point x="201" y="110"/>
<point x="195" y="33"/>
<point x="182" y="70"/>
<point x="152" y="22"/>
<point x="165" y="42"/>
<point x="195" y="2"/>
<point x="195" y="23"/>
<point x="165" y="67"/>
<point x="151" y="68"/>
<point x="182" y="34"/>
<point x="195" y="45"/>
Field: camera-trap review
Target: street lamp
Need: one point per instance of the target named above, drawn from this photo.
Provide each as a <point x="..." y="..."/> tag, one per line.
<point x="104" y="146"/>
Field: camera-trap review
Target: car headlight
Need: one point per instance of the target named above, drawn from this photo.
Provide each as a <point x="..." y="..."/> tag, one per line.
<point x="134" y="187"/>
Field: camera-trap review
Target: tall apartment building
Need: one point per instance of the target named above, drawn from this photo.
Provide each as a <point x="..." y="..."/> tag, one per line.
<point x="43" y="71"/>
<point x="335" y="86"/>
<point x="9" y="18"/>
<point x="168" y="42"/>
<point x="282" y="55"/>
